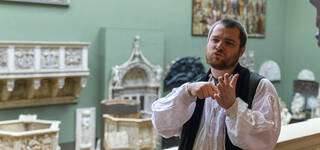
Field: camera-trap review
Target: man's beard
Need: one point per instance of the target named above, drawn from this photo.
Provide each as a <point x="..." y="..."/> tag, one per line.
<point x="224" y="63"/>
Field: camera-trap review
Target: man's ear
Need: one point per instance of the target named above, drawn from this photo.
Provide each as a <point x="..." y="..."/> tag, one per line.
<point x="242" y="50"/>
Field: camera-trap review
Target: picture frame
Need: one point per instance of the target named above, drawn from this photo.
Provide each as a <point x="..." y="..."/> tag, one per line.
<point x="250" y="13"/>
<point x="51" y="2"/>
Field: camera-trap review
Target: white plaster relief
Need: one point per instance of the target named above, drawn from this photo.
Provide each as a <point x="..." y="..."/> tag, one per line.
<point x="285" y="114"/>
<point x="61" y="82"/>
<point x="50" y="58"/>
<point x="297" y="105"/>
<point x="24" y="58"/>
<point x="36" y="84"/>
<point x="84" y="82"/>
<point x="73" y="57"/>
<point x="306" y="74"/>
<point x="85" y="129"/>
<point x="10" y="85"/>
<point x="271" y="70"/>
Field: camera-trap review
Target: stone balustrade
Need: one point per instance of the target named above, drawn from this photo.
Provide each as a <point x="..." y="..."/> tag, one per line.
<point x="42" y="73"/>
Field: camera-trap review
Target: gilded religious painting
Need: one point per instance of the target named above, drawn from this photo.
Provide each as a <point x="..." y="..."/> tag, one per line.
<point x="51" y="2"/>
<point x="250" y="13"/>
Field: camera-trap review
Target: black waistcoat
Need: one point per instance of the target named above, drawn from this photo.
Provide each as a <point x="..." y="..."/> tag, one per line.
<point x="244" y="90"/>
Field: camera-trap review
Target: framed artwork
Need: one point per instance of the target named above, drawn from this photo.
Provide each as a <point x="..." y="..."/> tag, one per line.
<point x="53" y="2"/>
<point x="250" y="13"/>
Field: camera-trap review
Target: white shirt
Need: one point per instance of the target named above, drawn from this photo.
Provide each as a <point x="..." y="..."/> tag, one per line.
<point x="255" y="129"/>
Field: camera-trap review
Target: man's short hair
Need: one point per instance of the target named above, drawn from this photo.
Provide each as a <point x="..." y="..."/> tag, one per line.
<point x="230" y="23"/>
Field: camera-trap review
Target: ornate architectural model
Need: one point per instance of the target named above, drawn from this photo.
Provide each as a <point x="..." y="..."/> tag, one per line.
<point x="29" y="133"/>
<point x="136" y="79"/>
<point x="42" y="73"/>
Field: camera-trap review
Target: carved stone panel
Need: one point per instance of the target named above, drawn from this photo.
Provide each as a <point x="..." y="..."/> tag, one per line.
<point x="50" y="58"/>
<point x="73" y="57"/>
<point x="85" y="130"/>
<point x="24" y="58"/>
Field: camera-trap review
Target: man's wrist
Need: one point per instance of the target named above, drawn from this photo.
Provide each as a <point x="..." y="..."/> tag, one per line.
<point x="188" y="90"/>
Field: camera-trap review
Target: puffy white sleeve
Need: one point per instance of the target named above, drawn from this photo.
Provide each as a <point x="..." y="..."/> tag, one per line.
<point x="172" y="111"/>
<point x="258" y="128"/>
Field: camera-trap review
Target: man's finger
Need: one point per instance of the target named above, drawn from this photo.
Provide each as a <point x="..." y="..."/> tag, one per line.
<point x="220" y="79"/>
<point x="226" y="79"/>
<point x="234" y="81"/>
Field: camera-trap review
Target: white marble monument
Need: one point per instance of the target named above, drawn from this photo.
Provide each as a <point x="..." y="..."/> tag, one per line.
<point x="136" y="79"/>
<point x="86" y="129"/>
<point x="29" y="133"/>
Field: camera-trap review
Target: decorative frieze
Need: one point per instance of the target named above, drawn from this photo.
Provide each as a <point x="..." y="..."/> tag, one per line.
<point x="42" y="73"/>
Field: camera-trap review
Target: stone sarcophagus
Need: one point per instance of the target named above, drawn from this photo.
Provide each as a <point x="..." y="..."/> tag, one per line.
<point x="42" y="73"/>
<point x="129" y="133"/>
<point x="28" y="133"/>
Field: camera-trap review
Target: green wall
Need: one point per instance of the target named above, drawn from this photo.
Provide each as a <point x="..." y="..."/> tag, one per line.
<point x="301" y="50"/>
<point x="165" y="30"/>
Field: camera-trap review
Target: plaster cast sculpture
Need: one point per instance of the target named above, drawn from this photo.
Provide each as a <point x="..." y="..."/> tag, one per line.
<point x="271" y="70"/>
<point x="29" y="133"/>
<point x="306" y="74"/>
<point x="247" y="61"/>
<point x="297" y="106"/>
<point x="136" y="79"/>
<point x="85" y="129"/>
<point x="42" y="73"/>
<point x="285" y="114"/>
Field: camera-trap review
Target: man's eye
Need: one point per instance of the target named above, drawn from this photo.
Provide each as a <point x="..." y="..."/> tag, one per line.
<point x="230" y="43"/>
<point x="215" y="40"/>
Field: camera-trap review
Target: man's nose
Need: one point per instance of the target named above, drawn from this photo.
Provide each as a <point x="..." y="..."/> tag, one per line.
<point x="219" y="45"/>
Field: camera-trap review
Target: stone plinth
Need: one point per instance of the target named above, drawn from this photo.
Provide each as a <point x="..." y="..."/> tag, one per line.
<point x="129" y="133"/>
<point x="29" y="133"/>
<point x="303" y="135"/>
